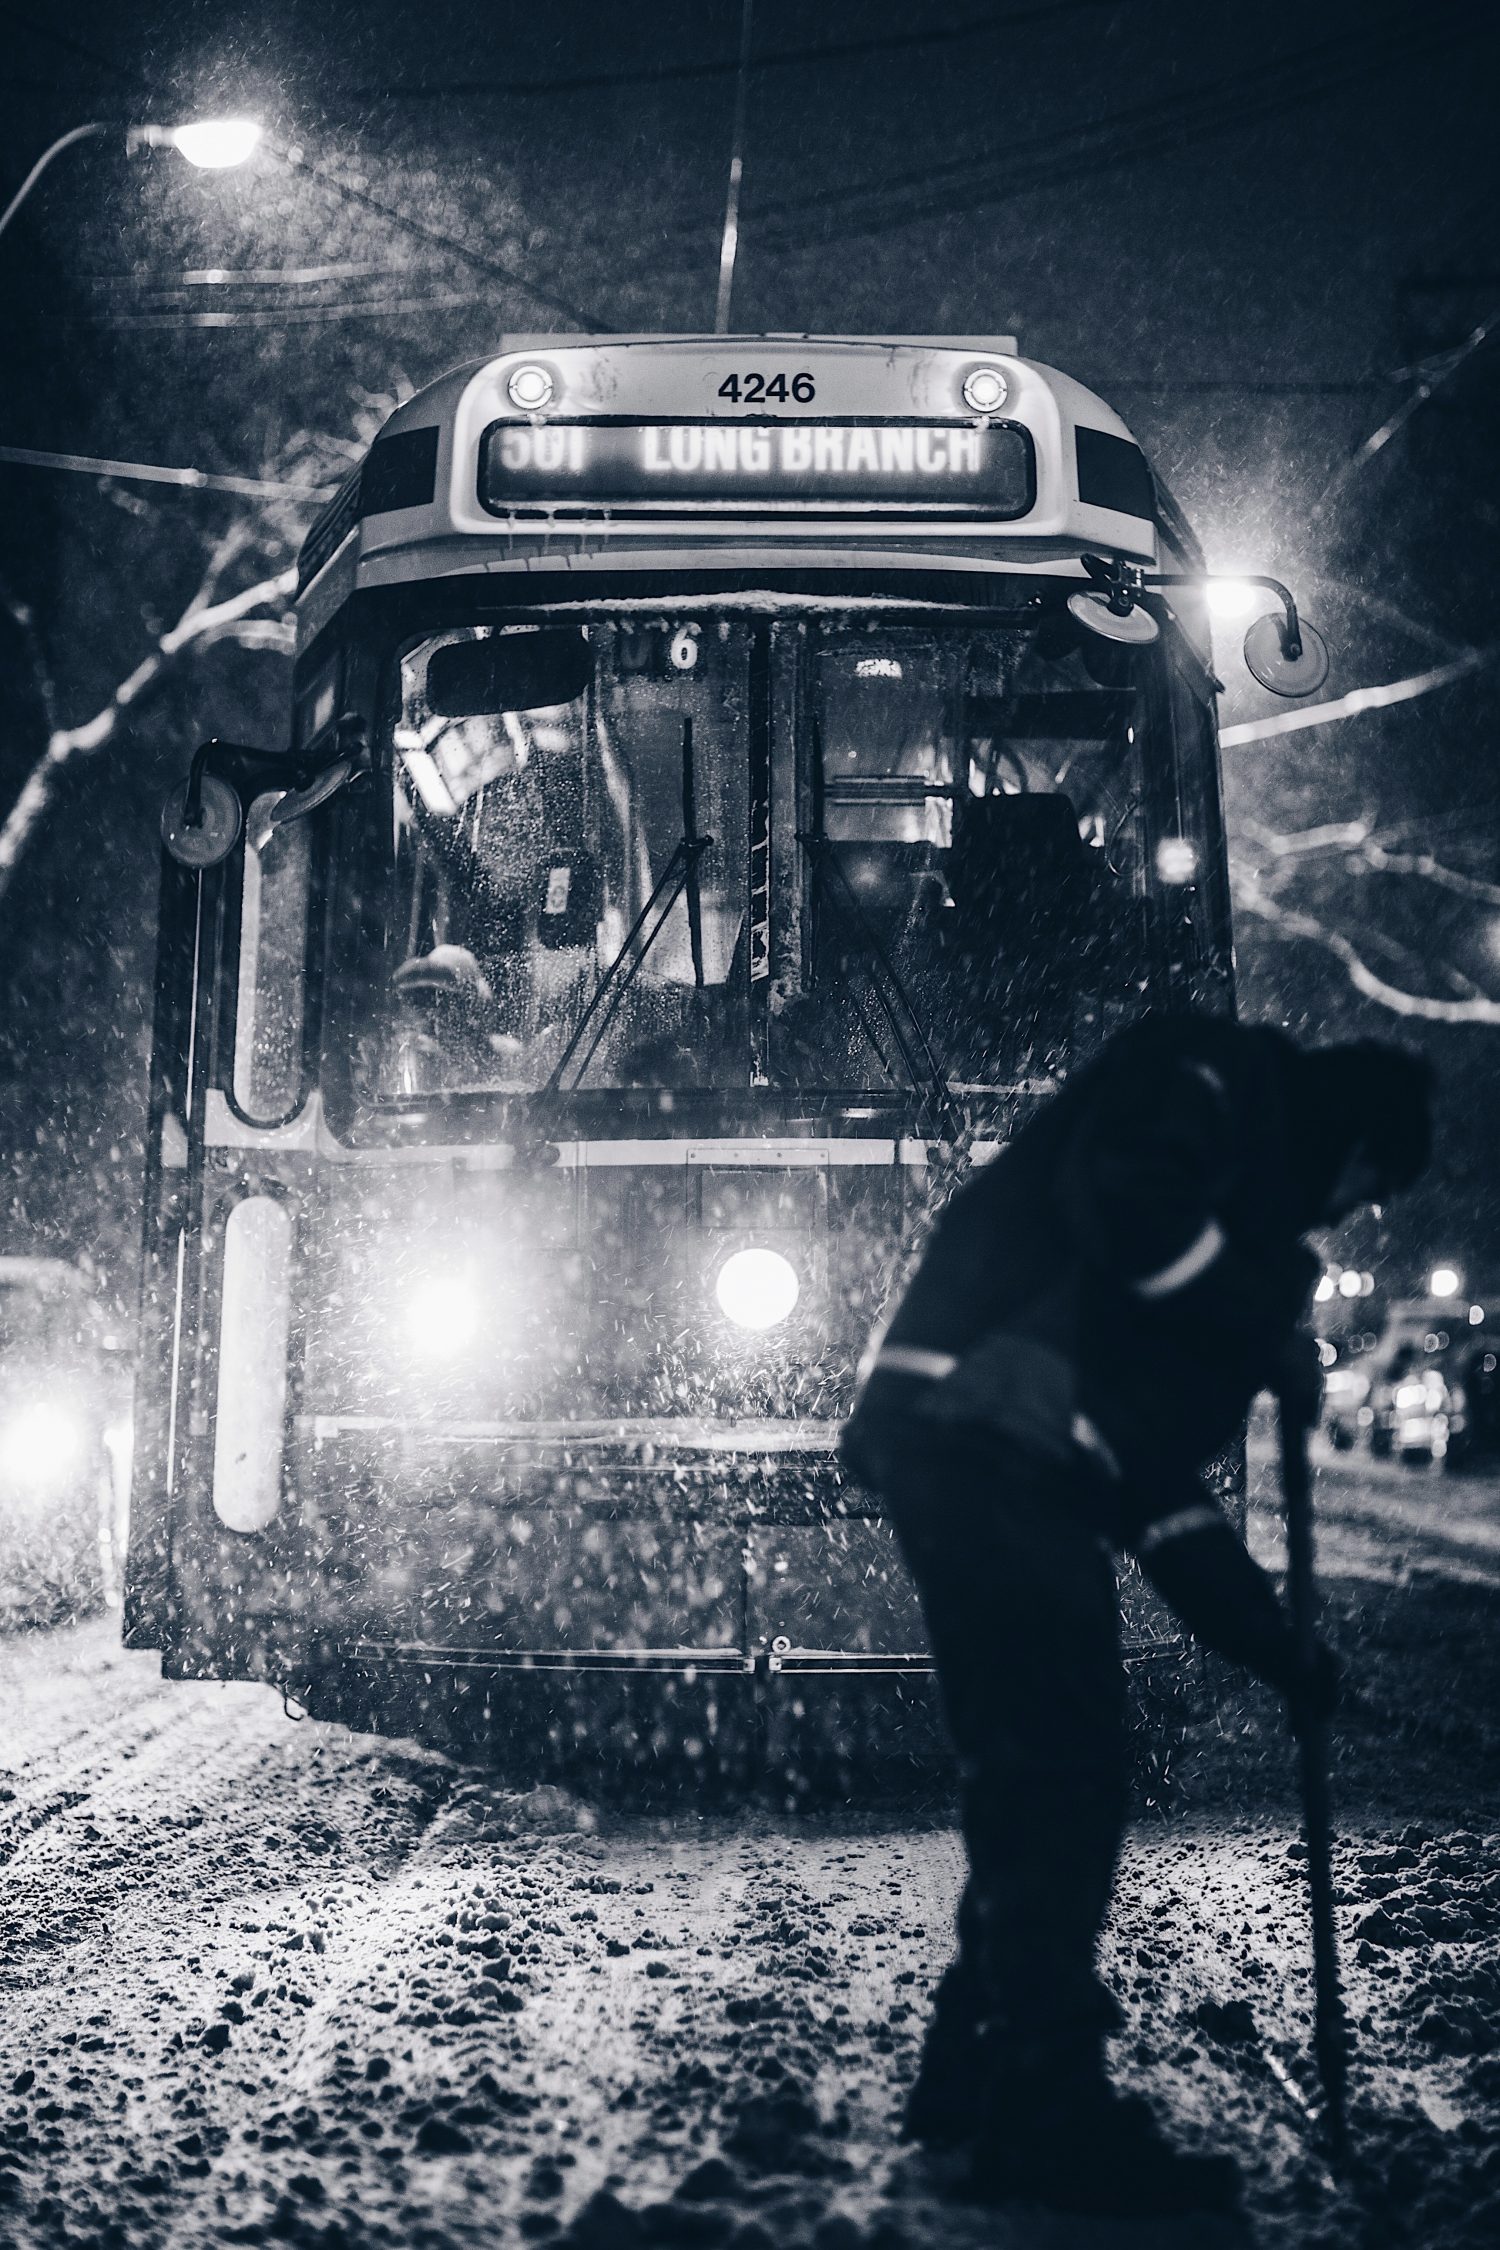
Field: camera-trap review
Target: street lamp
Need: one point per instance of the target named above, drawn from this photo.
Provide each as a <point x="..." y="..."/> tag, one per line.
<point x="212" y="143"/>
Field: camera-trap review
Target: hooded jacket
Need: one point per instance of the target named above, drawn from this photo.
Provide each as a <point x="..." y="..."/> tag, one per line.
<point x="1146" y="1228"/>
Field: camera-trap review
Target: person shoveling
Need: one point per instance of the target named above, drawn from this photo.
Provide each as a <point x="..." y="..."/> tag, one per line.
<point x="1094" y="1313"/>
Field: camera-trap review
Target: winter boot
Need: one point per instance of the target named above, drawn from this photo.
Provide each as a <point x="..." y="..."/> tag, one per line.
<point x="945" y="2104"/>
<point x="1102" y="2156"/>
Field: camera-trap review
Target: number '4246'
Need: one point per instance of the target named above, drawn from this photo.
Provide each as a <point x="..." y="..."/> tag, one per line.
<point x="755" y="389"/>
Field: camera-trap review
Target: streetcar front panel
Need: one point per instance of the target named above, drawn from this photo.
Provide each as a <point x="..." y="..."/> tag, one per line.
<point x="541" y="1126"/>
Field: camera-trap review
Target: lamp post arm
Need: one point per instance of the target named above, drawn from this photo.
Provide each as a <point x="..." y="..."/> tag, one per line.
<point x="64" y="140"/>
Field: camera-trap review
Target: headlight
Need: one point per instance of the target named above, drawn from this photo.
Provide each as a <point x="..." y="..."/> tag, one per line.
<point x="531" y="388"/>
<point x="985" y="390"/>
<point x="756" y="1288"/>
<point x="443" y="1315"/>
<point x="42" y="1448"/>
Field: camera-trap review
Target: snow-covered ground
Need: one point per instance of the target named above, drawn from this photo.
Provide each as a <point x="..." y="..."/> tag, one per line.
<point x="274" y="1982"/>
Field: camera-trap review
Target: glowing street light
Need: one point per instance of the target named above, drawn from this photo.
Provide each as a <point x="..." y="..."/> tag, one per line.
<point x="1444" y="1281"/>
<point x="211" y="143"/>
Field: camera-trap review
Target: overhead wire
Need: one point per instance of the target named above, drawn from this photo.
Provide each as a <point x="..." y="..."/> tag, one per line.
<point x="155" y="472"/>
<point x="275" y="316"/>
<point x="993" y="22"/>
<point x="1141" y="133"/>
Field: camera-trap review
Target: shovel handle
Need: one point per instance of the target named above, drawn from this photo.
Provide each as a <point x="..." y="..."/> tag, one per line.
<point x="1330" y="2036"/>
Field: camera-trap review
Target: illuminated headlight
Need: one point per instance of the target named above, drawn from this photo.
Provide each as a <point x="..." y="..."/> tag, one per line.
<point x="756" y="1288"/>
<point x="985" y="390"/>
<point x="42" y="1448"/>
<point x="443" y="1315"/>
<point x="531" y="389"/>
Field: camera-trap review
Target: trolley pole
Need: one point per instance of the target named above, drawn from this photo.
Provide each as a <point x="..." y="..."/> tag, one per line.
<point x="731" y="238"/>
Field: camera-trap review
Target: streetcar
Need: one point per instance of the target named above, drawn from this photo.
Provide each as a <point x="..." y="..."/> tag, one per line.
<point x="731" y="781"/>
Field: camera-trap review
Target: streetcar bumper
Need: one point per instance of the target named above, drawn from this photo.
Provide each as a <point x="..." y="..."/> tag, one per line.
<point x="648" y="1546"/>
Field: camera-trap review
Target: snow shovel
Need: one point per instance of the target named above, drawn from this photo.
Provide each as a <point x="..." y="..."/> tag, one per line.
<point x="1330" y="2035"/>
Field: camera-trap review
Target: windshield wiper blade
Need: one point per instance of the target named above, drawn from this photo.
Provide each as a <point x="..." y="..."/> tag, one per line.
<point x="911" y="1042"/>
<point x="690" y="839"/>
<point x="680" y="874"/>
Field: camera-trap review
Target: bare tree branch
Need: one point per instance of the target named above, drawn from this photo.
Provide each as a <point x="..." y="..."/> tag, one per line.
<point x="1337" y="835"/>
<point x="1357" y="700"/>
<point x="1251" y="898"/>
<point x="1432" y="871"/>
<point x="1354" y="836"/>
<point x="204" y="619"/>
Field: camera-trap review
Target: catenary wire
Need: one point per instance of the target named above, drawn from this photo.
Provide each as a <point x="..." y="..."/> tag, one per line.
<point x="1128" y="139"/>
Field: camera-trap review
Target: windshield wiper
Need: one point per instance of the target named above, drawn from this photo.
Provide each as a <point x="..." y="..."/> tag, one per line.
<point x="679" y="875"/>
<point x="905" y="1025"/>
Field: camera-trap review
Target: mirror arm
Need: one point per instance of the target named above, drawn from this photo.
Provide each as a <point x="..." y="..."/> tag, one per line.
<point x="1122" y="581"/>
<point x="215" y="751"/>
<point x="271" y="765"/>
<point x="1291" y="627"/>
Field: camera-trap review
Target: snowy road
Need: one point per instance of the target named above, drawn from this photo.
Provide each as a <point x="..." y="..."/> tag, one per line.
<point x="275" y="1982"/>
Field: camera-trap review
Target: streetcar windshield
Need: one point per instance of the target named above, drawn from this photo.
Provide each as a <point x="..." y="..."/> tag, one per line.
<point x="731" y="851"/>
<point x="538" y="851"/>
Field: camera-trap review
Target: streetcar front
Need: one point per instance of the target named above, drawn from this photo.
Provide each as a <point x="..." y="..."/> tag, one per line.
<point x="722" y="804"/>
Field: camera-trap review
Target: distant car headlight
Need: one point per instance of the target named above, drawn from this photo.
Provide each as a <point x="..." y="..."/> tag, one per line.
<point x="756" y="1289"/>
<point x="43" y="1447"/>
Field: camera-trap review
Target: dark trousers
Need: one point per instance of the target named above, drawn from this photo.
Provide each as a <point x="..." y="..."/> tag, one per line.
<point x="1022" y="1614"/>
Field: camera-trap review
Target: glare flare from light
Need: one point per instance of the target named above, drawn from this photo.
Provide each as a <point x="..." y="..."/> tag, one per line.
<point x="1232" y="598"/>
<point x="1444" y="1282"/>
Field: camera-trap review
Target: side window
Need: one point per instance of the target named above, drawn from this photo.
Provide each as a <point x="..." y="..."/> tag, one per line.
<point x="272" y="1003"/>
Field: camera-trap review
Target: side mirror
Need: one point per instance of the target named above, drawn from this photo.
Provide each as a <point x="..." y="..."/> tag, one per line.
<point x="201" y="821"/>
<point x="1290" y="657"/>
<point x="1285" y="654"/>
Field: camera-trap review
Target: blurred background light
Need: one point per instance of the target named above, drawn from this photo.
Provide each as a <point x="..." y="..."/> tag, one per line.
<point x="42" y="1448"/>
<point x="1176" y="860"/>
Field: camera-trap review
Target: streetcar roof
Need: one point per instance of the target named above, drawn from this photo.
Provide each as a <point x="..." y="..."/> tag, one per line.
<point x="1049" y="474"/>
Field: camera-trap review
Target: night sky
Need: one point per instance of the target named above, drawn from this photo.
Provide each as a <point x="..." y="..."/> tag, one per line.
<point x="1242" y="225"/>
